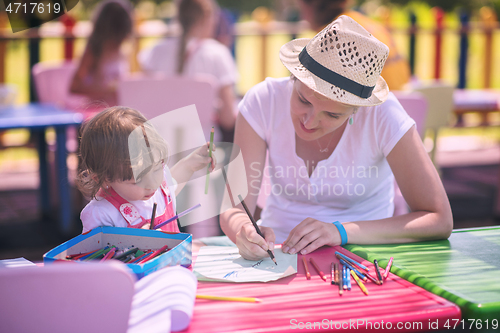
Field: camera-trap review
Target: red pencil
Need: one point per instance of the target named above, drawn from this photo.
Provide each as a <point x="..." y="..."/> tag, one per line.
<point x="308" y="274"/>
<point x="79" y="255"/>
<point x="154" y="254"/>
<point x="321" y="274"/>
<point x="387" y="268"/>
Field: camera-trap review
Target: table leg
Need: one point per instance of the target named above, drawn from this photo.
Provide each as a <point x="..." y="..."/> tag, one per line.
<point x="63" y="182"/>
<point x="43" y="171"/>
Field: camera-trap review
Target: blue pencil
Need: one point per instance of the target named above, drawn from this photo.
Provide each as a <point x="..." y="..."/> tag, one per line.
<point x="344" y="279"/>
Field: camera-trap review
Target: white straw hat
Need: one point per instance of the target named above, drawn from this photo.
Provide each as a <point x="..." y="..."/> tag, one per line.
<point x="343" y="62"/>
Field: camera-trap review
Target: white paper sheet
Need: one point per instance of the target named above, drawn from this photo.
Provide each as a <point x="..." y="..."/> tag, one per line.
<point x="225" y="264"/>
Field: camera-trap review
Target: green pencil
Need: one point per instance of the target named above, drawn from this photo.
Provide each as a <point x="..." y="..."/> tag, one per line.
<point x="209" y="155"/>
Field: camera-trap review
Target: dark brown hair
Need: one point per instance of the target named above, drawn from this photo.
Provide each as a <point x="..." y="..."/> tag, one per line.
<point x="325" y="11"/>
<point x="104" y="148"/>
<point x="113" y="23"/>
<point x="190" y="12"/>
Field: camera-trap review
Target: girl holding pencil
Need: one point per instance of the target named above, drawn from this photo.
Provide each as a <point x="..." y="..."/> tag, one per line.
<point x="124" y="172"/>
<point x="336" y="139"/>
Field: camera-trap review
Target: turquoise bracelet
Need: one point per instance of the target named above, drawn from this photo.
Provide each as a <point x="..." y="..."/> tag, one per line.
<point x="343" y="234"/>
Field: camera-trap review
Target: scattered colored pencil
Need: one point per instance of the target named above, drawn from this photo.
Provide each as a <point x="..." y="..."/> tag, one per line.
<point x="377" y="271"/>
<point x="173" y="218"/>
<point x="152" y="222"/>
<point x="231" y="299"/>
<point x="344" y="277"/>
<point x="348" y="277"/>
<point x="387" y="268"/>
<point x="360" y="284"/>
<point x="256" y="226"/>
<point x="336" y="272"/>
<point x="352" y="261"/>
<point x="316" y="267"/>
<point x="308" y="274"/>
<point x="209" y="155"/>
<point x="372" y="279"/>
<point x="360" y="275"/>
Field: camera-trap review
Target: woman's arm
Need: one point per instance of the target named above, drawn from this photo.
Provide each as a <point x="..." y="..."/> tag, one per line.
<point x="235" y="222"/>
<point x="430" y="216"/>
<point x="226" y="110"/>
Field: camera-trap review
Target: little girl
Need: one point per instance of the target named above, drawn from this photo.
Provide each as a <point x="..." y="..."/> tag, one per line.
<point x="124" y="172"/>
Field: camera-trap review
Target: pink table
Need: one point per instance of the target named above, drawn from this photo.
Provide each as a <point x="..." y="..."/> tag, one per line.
<point x="294" y="302"/>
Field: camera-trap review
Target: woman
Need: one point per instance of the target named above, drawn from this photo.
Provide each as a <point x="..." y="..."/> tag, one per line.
<point x="336" y="139"/>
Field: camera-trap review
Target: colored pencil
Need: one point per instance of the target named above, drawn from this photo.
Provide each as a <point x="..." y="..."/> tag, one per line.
<point x="308" y="274"/>
<point x="256" y="226"/>
<point x="352" y="261"/>
<point x="134" y="261"/>
<point x="372" y="279"/>
<point x="127" y="253"/>
<point x="209" y="155"/>
<point x="78" y="255"/>
<point x="336" y="272"/>
<point x="360" y="284"/>
<point x="173" y="218"/>
<point x="229" y="193"/>
<point x="110" y="254"/>
<point x="95" y="254"/>
<point x="152" y="223"/>
<point x="339" y="281"/>
<point x="348" y="277"/>
<point x="387" y="268"/>
<point x="316" y="267"/>
<point x="231" y="299"/>
<point x="154" y="254"/>
<point x="332" y="272"/>
<point x="344" y="277"/>
<point x="360" y="275"/>
<point x="377" y="270"/>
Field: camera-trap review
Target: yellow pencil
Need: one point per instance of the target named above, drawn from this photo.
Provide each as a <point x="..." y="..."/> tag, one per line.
<point x="231" y="299"/>
<point x="360" y="284"/>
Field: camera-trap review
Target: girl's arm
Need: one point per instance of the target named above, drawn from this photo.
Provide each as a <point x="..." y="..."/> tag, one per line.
<point x="235" y="222"/>
<point x="226" y="109"/>
<point x="430" y="217"/>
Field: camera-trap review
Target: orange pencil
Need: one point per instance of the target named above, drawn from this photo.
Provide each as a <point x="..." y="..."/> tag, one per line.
<point x="308" y="274"/>
<point x="321" y="274"/>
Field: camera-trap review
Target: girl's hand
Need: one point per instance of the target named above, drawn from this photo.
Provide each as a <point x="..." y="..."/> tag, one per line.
<point x="199" y="158"/>
<point x="251" y="245"/>
<point x="310" y="235"/>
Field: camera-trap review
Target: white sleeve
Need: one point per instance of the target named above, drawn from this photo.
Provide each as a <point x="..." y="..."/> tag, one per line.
<point x="254" y="105"/>
<point x="95" y="215"/>
<point x="225" y="67"/>
<point x="393" y="123"/>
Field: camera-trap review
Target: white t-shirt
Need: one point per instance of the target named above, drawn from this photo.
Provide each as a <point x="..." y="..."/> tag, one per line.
<point x="354" y="183"/>
<point x="205" y="56"/>
<point x="100" y="212"/>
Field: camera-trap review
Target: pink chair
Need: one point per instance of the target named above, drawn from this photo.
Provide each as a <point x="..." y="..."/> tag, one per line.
<point x="158" y="94"/>
<point x="52" y="82"/>
<point x="66" y="297"/>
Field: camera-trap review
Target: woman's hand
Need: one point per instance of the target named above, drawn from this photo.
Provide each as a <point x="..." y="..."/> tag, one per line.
<point x="251" y="245"/>
<point x="310" y="235"/>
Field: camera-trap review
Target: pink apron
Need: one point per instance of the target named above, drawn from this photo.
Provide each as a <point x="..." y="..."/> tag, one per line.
<point x="130" y="212"/>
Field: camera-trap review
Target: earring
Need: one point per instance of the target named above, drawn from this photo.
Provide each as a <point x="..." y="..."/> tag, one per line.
<point x="351" y="120"/>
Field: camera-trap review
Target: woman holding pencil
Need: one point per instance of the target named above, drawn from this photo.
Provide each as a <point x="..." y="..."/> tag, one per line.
<point x="336" y="139"/>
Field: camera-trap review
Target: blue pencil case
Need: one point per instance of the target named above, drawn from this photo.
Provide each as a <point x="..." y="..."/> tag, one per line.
<point x="179" y="253"/>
